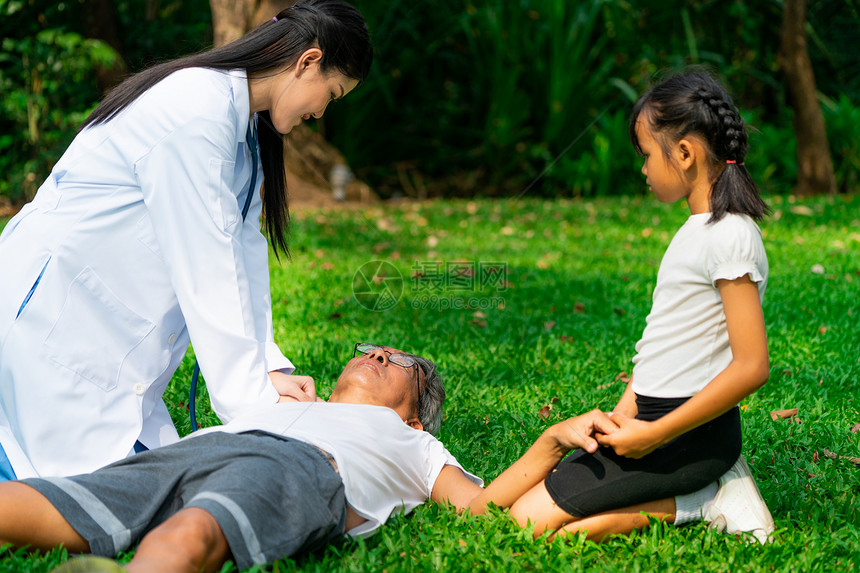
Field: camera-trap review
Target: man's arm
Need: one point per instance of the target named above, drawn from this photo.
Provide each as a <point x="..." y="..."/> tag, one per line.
<point x="454" y="488"/>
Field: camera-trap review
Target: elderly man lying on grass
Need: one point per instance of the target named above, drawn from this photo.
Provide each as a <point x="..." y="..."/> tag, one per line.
<point x="285" y="478"/>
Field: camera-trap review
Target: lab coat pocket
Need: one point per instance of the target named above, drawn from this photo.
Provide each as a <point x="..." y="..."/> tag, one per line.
<point x="223" y="203"/>
<point x="95" y="331"/>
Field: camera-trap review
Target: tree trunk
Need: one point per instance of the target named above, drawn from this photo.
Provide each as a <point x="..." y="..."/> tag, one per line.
<point x="814" y="163"/>
<point x="230" y="19"/>
<point x="266" y="9"/>
<point x="101" y="22"/>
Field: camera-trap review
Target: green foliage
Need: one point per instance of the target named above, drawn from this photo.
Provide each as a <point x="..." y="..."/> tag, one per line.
<point x="478" y="98"/>
<point x="47" y="91"/>
<point x="772" y="159"/>
<point x="48" y="73"/>
<point x="155" y="31"/>
<point x="501" y="90"/>
<point x="493" y="97"/>
<point x="843" y="119"/>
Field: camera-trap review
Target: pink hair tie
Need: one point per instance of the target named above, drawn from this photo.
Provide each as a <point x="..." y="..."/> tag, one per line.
<point x="275" y="19"/>
<point x="731" y="161"/>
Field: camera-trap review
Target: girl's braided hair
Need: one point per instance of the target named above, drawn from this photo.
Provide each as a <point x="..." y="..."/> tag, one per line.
<point x="695" y="103"/>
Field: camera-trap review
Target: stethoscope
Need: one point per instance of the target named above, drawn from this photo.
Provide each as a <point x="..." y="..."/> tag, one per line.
<point x="251" y="140"/>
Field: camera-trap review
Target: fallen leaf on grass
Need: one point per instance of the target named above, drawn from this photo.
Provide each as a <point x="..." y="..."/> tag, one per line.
<point x="543" y="413"/>
<point x="579" y="307"/>
<point x="549" y="324"/>
<point x="623" y="377"/>
<point x="777" y="414"/>
<point x="461" y="542"/>
<point x="855" y="428"/>
<point x="835" y="456"/>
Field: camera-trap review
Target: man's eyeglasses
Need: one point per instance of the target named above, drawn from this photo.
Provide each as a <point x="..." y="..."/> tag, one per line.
<point x="403" y="360"/>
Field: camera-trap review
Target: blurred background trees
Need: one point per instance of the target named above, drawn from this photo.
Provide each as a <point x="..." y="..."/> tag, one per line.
<point x="466" y="97"/>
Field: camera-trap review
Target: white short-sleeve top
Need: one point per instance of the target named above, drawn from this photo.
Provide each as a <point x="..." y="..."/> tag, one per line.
<point x="685" y="343"/>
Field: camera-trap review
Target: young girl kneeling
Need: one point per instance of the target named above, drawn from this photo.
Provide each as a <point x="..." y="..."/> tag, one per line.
<point x="704" y="346"/>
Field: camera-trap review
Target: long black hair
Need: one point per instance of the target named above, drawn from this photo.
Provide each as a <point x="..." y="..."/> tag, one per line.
<point x="694" y="102"/>
<point x="334" y="26"/>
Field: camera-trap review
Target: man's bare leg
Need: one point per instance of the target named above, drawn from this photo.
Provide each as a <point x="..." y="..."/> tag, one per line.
<point x="28" y="518"/>
<point x="190" y="541"/>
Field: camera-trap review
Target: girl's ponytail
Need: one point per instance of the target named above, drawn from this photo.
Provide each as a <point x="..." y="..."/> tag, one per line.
<point x="696" y="103"/>
<point x="734" y="190"/>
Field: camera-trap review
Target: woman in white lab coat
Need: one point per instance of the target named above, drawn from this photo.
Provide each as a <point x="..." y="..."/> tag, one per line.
<point x="136" y="244"/>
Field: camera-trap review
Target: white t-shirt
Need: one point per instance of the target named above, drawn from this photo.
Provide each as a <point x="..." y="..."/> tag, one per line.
<point x="685" y="343"/>
<point x="387" y="467"/>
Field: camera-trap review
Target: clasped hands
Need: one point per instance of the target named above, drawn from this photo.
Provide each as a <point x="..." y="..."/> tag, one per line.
<point x="629" y="437"/>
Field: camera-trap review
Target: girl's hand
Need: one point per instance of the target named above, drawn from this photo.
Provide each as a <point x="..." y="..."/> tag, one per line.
<point x="634" y="438"/>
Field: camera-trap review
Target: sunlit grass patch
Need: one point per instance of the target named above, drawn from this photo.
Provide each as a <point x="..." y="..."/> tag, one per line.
<point x="557" y="330"/>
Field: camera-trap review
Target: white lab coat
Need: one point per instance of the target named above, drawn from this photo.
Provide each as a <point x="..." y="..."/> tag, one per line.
<point x="139" y="239"/>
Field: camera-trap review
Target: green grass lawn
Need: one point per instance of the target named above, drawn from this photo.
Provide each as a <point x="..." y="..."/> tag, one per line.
<point x="550" y="298"/>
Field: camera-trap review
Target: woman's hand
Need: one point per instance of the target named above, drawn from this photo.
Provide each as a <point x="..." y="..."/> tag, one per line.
<point x="634" y="438"/>
<point x="293" y="388"/>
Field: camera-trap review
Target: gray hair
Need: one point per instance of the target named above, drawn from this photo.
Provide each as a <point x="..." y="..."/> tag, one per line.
<point x="432" y="396"/>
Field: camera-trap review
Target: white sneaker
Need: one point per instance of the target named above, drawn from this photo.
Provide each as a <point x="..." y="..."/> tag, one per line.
<point x="738" y="507"/>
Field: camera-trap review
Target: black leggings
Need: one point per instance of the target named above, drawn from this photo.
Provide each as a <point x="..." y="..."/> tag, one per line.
<point x="584" y="484"/>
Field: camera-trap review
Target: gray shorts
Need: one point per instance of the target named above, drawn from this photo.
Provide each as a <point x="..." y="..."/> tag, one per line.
<point x="272" y="496"/>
